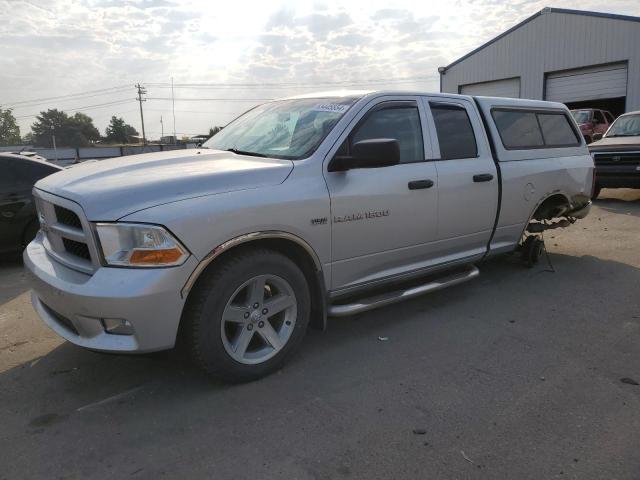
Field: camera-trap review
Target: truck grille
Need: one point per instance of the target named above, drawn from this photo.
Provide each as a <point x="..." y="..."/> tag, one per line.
<point x="67" y="217"/>
<point x="68" y="237"/>
<point x="78" y="249"/>
<point x="617" y="158"/>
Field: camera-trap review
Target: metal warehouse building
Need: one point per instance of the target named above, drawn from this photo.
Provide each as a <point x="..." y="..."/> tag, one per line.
<point x="583" y="59"/>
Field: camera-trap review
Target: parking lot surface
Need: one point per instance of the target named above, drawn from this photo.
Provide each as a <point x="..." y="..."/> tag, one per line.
<point x="515" y="375"/>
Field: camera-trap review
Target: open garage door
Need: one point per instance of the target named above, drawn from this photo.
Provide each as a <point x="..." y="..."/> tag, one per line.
<point x="585" y="84"/>
<point x="509" y="87"/>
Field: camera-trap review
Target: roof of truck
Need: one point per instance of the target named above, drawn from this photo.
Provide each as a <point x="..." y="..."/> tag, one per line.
<point x="494" y="101"/>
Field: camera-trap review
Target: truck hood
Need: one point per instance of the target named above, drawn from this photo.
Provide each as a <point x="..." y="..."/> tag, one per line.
<point x="110" y="189"/>
<point x="619" y="143"/>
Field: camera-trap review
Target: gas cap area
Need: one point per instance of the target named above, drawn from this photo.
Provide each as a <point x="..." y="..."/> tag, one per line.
<point x="529" y="190"/>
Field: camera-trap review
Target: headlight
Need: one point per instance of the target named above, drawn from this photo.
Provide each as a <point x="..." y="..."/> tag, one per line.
<point x="139" y="245"/>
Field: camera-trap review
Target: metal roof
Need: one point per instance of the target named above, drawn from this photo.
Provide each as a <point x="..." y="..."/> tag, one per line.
<point x="545" y="10"/>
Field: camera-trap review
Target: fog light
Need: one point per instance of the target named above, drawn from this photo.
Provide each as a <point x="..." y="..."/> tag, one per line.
<point x="117" y="326"/>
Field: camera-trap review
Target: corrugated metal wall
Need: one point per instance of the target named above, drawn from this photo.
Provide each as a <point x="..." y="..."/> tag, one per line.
<point x="553" y="42"/>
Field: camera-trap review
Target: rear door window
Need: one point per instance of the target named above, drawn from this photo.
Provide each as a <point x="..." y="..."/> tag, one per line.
<point x="455" y="132"/>
<point x="527" y="129"/>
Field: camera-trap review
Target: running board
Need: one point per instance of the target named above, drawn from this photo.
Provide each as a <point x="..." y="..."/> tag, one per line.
<point x="365" y="304"/>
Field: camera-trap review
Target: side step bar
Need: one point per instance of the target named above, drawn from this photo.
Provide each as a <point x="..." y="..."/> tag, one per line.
<point x="365" y="304"/>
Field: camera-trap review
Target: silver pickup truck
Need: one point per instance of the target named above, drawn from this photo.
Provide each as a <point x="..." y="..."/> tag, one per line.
<point x="302" y="208"/>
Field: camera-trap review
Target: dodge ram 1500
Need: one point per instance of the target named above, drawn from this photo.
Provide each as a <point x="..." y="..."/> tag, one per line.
<point x="302" y="208"/>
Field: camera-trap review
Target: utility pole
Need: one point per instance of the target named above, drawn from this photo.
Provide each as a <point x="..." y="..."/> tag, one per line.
<point x="141" y="91"/>
<point x="161" y="129"/>
<point x="173" y="110"/>
<point x="53" y="138"/>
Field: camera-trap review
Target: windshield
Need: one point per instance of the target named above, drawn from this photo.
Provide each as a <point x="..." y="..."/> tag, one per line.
<point x="581" y="116"/>
<point x="290" y="129"/>
<point x="625" y="126"/>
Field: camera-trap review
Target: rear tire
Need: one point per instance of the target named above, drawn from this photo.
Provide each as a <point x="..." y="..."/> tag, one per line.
<point x="247" y="315"/>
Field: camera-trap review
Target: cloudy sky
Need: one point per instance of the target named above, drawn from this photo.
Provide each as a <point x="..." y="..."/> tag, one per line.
<point x="226" y="56"/>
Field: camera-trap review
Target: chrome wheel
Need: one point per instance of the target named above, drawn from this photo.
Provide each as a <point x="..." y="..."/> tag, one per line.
<point x="258" y="319"/>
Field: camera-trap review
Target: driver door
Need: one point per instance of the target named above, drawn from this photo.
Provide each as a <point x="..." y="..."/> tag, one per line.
<point x="383" y="219"/>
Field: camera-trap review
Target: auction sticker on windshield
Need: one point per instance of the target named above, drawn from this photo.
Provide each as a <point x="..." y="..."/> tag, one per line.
<point x="331" y="107"/>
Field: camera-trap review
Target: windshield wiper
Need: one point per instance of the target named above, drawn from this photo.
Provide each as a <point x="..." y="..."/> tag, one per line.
<point x="244" y="152"/>
<point x="624" y="135"/>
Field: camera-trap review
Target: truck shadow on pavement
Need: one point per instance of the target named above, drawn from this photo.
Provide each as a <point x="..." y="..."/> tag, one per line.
<point x="71" y="382"/>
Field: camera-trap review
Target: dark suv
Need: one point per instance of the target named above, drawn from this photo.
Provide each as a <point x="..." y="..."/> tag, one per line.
<point x="617" y="155"/>
<point x="593" y="123"/>
<point x="18" y="220"/>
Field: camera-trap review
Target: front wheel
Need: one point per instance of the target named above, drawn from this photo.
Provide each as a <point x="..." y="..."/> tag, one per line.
<point x="247" y="315"/>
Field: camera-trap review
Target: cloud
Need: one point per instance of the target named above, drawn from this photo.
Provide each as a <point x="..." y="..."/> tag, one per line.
<point x="57" y="47"/>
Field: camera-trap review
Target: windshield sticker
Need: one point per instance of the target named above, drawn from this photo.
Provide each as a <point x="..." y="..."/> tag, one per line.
<point x="331" y="107"/>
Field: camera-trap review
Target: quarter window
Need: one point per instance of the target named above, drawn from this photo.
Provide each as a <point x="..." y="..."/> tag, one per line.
<point x="455" y="133"/>
<point x="525" y="129"/>
<point x="399" y="123"/>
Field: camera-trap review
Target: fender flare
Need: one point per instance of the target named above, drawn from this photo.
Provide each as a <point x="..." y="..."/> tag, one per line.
<point x="246" y="238"/>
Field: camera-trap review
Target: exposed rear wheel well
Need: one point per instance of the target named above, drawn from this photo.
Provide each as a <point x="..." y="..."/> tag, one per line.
<point x="552" y="207"/>
<point x="300" y="257"/>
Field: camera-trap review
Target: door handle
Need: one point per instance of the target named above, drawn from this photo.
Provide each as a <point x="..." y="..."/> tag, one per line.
<point x="418" y="184"/>
<point x="483" y="177"/>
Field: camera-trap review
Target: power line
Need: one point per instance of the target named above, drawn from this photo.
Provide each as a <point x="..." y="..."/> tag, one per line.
<point x="86" y="107"/>
<point x="265" y="85"/>
<point x="293" y="84"/>
<point x="92" y="93"/>
<point x="213" y="99"/>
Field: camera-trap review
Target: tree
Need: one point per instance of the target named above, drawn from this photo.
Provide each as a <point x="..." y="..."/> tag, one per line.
<point x="83" y="126"/>
<point x="9" y="130"/>
<point x="214" y="130"/>
<point x="49" y="123"/>
<point x="75" y="131"/>
<point x="118" y="131"/>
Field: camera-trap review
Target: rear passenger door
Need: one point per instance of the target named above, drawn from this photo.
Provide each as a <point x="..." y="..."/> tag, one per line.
<point x="467" y="178"/>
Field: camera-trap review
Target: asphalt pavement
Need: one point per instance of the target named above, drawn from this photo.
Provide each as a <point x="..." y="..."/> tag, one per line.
<point x="516" y="375"/>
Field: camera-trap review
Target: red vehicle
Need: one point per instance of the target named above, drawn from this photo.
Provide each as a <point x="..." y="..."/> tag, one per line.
<point x="593" y="122"/>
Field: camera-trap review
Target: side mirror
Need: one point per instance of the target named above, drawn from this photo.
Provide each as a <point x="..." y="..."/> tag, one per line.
<point x="372" y="153"/>
<point x="596" y="136"/>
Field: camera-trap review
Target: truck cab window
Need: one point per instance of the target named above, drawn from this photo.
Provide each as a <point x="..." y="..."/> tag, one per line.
<point x="399" y="123"/>
<point x="455" y="133"/>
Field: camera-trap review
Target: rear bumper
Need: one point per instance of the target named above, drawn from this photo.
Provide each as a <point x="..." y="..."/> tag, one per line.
<point x="580" y="212"/>
<point x="74" y="304"/>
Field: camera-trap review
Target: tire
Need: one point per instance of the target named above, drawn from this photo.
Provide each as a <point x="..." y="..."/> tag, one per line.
<point x="230" y="339"/>
<point x="596" y="192"/>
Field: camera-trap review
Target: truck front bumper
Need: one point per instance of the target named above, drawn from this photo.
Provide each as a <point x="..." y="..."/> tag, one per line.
<point x="77" y="306"/>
